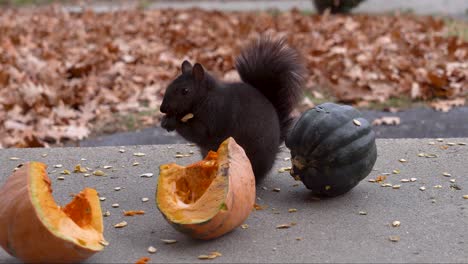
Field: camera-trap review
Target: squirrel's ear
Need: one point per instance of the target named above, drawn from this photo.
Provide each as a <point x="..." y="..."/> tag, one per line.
<point x="198" y="72"/>
<point x="186" y="67"/>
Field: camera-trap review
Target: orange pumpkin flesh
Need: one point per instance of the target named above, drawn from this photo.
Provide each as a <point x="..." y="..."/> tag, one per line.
<point x="211" y="197"/>
<point x="34" y="228"/>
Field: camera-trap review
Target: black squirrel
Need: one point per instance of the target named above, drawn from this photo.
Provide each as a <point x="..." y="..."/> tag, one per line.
<point x="255" y="112"/>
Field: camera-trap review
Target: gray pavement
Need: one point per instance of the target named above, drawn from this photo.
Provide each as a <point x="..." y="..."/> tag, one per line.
<point x="456" y="8"/>
<point x="434" y="222"/>
<point x="415" y="123"/>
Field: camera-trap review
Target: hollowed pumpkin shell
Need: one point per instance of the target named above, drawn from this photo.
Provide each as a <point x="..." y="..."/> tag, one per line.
<point x="35" y="229"/>
<point x="211" y="197"/>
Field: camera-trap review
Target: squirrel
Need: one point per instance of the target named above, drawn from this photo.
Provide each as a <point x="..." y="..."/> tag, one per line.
<point x="256" y="112"/>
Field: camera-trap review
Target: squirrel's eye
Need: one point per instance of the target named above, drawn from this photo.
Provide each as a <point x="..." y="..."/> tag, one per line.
<point x="185" y="91"/>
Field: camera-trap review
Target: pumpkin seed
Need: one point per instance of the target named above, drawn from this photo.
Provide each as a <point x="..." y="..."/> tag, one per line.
<point x="107" y="167"/>
<point x="107" y="213"/>
<point x="115" y="205"/>
<point x="121" y="224"/>
<point x="440" y="139"/>
<point x="397" y="186"/>
<point x="396" y="171"/>
<point x="244" y="226"/>
<point x="394" y="238"/>
<point x="135" y="164"/>
<point x="276" y="189"/>
<point x="144" y="199"/>
<point x="152" y="250"/>
<point x="452" y="180"/>
<point x="117" y="188"/>
<point x="284" y="169"/>
<point x="446" y="174"/>
<point x="60" y="178"/>
<point x="421" y="154"/>
<point x="402" y="160"/>
<point x="292" y="210"/>
<point x="14" y="158"/>
<point x="422" y="188"/>
<point x="79" y="169"/>
<point x="102" y="198"/>
<point x="362" y="213"/>
<point x="169" y="241"/>
<point x="356" y="122"/>
<point x="139" y="154"/>
<point x="465" y="196"/>
<point x="203" y="257"/>
<point x="58" y="166"/>
<point x="413" y="179"/>
<point x="86" y="174"/>
<point x="146" y="175"/>
<point x="44" y="155"/>
<point x="396" y="223"/>
<point x="122" y="150"/>
<point x="187" y="117"/>
<point x="283" y="226"/>
<point x="98" y="173"/>
<point x="104" y="243"/>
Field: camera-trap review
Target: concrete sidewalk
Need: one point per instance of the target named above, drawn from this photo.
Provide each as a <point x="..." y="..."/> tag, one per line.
<point x="434" y="222"/>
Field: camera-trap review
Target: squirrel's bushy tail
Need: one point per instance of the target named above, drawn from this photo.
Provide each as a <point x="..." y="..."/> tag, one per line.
<point x="277" y="71"/>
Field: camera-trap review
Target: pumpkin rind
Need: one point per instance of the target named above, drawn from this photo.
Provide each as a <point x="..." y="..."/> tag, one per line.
<point x="234" y="186"/>
<point x="332" y="149"/>
<point x="33" y="228"/>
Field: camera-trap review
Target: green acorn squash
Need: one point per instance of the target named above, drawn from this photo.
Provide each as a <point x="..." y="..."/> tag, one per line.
<point x="332" y="149"/>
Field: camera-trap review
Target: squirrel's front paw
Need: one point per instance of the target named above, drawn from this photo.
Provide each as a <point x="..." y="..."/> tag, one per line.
<point x="168" y="123"/>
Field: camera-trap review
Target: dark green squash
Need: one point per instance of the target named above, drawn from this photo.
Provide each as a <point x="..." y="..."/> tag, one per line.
<point x="332" y="149"/>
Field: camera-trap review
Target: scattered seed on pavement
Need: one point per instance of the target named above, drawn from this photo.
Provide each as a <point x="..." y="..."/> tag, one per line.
<point x="422" y="188"/>
<point x="107" y="167"/>
<point x="169" y="241"/>
<point x="292" y="210"/>
<point x="115" y="205"/>
<point x="276" y="189"/>
<point x="413" y="179"/>
<point x="394" y="238"/>
<point x="102" y="198"/>
<point x="152" y="250"/>
<point x="121" y="150"/>
<point x="58" y="166"/>
<point x="139" y="154"/>
<point x="446" y="174"/>
<point x="14" y="158"/>
<point x="465" y="196"/>
<point x="362" y="213"/>
<point x="284" y="169"/>
<point x="117" y="188"/>
<point x="146" y="175"/>
<point x="396" y="223"/>
<point x="104" y="243"/>
<point x="135" y="164"/>
<point x="397" y="186"/>
<point x="107" y="213"/>
<point x="357" y="122"/>
<point x="244" y="226"/>
<point x="98" y="173"/>
<point x="121" y="224"/>
<point x="402" y="160"/>
<point x="60" y="178"/>
<point x="144" y="199"/>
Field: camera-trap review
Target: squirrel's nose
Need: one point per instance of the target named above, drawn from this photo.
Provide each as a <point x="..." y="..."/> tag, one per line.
<point x="163" y="108"/>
